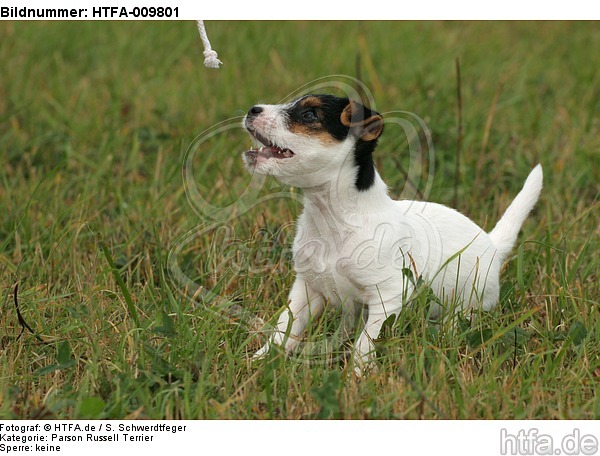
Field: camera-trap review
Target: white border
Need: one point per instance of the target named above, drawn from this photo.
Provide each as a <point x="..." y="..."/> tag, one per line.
<point x="290" y="438"/>
<point x="348" y="10"/>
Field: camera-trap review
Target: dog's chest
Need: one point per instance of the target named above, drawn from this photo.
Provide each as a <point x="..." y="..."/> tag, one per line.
<point x="358" y="257"/>
<point x="324" y="251"/>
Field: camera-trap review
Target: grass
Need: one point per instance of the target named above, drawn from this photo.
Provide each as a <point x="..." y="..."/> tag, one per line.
<point x="95" y="120"/>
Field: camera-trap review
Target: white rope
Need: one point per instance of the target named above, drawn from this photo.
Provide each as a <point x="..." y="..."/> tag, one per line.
<point x="211" y="59"/>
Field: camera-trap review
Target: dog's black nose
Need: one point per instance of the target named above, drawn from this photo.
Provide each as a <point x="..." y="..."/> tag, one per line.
<point x="254" y="111"/>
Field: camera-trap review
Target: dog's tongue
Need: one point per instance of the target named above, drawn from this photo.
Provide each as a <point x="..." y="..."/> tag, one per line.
<point x="270" y="152"/>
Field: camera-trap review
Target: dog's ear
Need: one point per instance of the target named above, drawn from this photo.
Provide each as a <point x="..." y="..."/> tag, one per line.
<point x="367" y="123"/>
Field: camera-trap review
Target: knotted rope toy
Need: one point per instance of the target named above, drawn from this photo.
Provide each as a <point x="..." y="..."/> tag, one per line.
<point x="211" y="58"/>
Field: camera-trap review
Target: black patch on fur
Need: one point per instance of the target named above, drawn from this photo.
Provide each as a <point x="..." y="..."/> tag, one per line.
<point x="363" y="156"/>
<point x="329" y="111"/>
<point x="363" y="159"/>
<point x="332" y="108"/>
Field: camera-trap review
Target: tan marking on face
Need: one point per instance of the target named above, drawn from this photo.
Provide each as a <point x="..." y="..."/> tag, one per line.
<point x="370" y="128"/>
<point x="310" y="102"/>
<point x="313" y="131"/>
<point x="350" y="114"/>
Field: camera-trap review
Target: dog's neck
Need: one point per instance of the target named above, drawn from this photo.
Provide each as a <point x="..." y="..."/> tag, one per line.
<point x="341" y="199"/>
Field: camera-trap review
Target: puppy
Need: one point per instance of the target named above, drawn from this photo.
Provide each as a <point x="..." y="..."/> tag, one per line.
<point x="357" y="248"/>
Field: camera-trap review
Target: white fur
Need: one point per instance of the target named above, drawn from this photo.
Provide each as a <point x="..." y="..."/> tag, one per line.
<point x="352" y="248"/>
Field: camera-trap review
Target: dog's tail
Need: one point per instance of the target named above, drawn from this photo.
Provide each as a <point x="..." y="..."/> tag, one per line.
<point x="506" y="230"/>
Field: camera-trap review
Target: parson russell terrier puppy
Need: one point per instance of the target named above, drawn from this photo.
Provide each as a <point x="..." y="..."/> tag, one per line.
<point x="354" y="244"/>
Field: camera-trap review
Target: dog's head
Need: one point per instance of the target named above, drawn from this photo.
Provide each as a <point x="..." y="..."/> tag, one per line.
<point x="307" y="142"/>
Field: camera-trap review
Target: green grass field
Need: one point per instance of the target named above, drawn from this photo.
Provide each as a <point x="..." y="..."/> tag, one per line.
<point x="95" y="121"/>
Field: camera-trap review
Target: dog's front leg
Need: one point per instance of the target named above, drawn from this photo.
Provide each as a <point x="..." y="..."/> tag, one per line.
<point x="303" y="304"/>
<point x="364" y="348"/>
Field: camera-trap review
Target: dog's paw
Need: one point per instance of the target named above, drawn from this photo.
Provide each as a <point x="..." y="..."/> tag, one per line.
<point x="364" y="363"/>
<point x="260" y="354"/>
<point x="363" y="370"/>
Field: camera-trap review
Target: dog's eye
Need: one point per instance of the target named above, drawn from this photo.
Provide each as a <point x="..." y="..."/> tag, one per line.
<point x="310" y="115"/>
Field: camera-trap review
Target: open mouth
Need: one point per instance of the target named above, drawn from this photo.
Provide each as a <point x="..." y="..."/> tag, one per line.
<point x="267" y="150"/>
